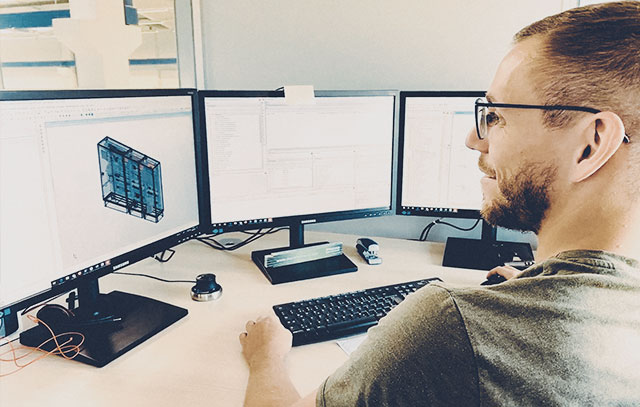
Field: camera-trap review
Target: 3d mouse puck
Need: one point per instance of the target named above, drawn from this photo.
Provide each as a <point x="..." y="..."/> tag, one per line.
<point x="206" y="288"/>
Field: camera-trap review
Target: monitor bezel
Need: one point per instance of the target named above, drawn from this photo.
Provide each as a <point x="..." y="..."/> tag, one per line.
<point x="142" y="252"/>
<point x="423" y="211"/>
<point x="307" y="219"/>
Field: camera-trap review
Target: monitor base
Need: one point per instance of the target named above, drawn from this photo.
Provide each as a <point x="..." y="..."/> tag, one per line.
<point x="302" y="271"/>
<point x="484" y="254"/>
<point x="142" y="317"/>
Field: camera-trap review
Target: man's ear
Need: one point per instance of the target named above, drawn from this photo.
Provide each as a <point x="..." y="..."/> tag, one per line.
<point x="600" y="141"/>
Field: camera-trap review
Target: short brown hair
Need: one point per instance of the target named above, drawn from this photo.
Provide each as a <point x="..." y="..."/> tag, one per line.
<point x="591" y="57"/>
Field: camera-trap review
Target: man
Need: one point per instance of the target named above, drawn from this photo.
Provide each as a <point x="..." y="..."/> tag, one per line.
<point x="557" y="142"/>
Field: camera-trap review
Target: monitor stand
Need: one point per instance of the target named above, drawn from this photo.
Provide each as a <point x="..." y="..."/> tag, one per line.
<point x="112" y="324"/>
<point x="301" y="271"/>
<point x="486" y="253"/>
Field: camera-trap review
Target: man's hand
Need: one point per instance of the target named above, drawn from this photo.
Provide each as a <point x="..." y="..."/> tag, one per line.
<point x="266" y="341"/>
<point x="264" y="346"/>
<point x="507" y="272"/>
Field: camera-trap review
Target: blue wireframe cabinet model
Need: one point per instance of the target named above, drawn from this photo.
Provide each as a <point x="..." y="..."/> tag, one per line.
<point x="131" y="181"/>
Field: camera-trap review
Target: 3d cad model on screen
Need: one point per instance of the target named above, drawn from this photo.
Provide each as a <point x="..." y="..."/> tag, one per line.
<point x="131" y="181"/>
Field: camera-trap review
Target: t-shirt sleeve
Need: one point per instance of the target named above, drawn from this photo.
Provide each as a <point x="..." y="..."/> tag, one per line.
<point x="418" y="355"/>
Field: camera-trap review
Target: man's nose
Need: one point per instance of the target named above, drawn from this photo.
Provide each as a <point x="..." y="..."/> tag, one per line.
<point x="473" y="142"/>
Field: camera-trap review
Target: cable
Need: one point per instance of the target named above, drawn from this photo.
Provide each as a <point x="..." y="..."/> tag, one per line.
<point x="153" y="277"/>
<point x="427" y="229"/>
<point x="8" y="342"/>
<point x="461" y="228"/>
<point x="115" y="272"/>
<point x="211" y="242"/>
<point x="270" y="231"/>
<point x="160" y="257"/>
<point x="64" y="349"/>
<point x="42" y="303"/>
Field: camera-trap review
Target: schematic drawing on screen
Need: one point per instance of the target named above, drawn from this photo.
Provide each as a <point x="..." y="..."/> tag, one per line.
<point x="131" y="181"/>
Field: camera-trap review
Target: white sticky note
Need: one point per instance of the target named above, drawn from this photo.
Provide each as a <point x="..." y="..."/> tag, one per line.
<point x="350" y="344"/>
<point x="299" y="95"/>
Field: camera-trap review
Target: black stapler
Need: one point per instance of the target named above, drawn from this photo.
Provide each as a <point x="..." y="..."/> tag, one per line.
<point x="368" y="249"/>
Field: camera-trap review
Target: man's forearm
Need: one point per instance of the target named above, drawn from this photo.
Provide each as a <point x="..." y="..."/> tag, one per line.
<point x="270" y="385"/>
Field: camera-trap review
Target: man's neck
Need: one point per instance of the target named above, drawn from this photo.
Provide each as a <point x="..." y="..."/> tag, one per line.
<point x="590" y="226"/>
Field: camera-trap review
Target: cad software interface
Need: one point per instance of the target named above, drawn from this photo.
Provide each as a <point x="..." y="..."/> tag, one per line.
<point x="438" y="171"/>
<point x="268" y="159"/>
<point x="85" y="180"/>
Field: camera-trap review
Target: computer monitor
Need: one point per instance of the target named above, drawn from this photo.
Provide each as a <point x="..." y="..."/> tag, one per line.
<point x="439" y="176"/>
<point x="276" y="163"/>
<point x="92" y="181"/>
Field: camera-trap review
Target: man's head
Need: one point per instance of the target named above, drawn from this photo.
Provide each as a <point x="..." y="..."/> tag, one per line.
<point x="534" y="158"/>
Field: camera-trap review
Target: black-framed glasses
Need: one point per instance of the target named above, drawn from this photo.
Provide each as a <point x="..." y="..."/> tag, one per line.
<point x="485" y="118"/>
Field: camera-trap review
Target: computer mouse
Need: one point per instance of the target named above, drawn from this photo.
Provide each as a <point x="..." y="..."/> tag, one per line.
<point x="494" y="279"/>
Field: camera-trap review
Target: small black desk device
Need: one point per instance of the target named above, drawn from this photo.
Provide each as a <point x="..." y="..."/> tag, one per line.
<point x="368" y="249"/>
<point x="486" y="254"/>
<point x="494" y="279"/>
<point x="206" y="288"/>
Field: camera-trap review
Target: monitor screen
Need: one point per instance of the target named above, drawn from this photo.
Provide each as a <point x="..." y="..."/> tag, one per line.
<point x="438" y="175"/>
<point x="272" y="163"/>
<point x="91" y="181"/>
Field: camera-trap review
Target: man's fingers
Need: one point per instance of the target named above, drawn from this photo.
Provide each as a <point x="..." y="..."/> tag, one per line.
<point x="505" y="271"/>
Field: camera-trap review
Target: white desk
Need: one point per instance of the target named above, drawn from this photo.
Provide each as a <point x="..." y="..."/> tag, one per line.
<point x="197" y="361"/>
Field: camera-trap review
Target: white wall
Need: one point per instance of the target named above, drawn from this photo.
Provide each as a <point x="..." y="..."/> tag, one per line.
<point x="363" y="44"/>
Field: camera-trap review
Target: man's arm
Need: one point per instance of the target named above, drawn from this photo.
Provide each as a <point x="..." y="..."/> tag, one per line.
<point x="264" y="346"/>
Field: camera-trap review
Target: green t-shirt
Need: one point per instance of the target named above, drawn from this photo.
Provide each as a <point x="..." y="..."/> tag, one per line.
<point x="564" y="332"/>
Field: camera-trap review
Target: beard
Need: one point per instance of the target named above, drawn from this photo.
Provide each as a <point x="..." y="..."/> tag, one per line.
<point x="523" y="197"/>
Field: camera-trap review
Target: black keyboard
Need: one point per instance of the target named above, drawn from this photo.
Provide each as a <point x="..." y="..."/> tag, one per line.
<point x="337" y="316"/>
